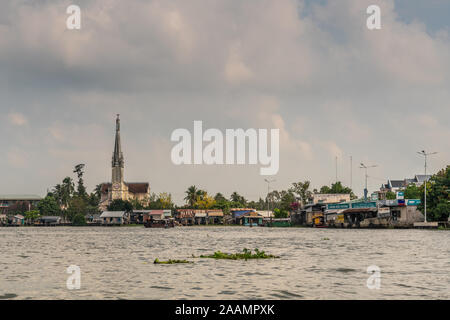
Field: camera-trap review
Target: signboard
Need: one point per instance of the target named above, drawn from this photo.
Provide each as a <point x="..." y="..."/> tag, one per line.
<point x="374" y="196"/>
<point x="338" y="206"/>
<point x="413" y="202"/>
<point x="358" y="205"/>
<point x="400" y="195"/>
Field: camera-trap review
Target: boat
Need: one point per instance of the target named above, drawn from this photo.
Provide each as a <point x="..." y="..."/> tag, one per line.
<point x="159" y="223"/>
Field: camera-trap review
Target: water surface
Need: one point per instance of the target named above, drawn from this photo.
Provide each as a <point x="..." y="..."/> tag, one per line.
<point x="117" y="263"/>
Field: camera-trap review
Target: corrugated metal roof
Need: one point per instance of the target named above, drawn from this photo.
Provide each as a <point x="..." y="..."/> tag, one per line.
<point x="112" y="214"/>
<point x="200" y="214"/>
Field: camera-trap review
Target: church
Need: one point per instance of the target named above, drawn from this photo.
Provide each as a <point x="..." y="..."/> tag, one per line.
<point x="118" y="188"/>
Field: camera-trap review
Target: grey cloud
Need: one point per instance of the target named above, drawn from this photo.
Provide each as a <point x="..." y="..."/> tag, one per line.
<point x="312" y="69"/>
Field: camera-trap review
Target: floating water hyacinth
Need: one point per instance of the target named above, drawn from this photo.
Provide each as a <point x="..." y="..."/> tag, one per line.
<point x="244" y="255"/>
<point x="170" y="261"/>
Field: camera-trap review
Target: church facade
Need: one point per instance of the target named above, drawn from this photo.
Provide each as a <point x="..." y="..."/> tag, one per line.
<point x="118" y="188"/>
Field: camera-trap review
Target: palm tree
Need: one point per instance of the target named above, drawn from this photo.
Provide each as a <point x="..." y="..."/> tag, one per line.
<point x="191" y="195"/>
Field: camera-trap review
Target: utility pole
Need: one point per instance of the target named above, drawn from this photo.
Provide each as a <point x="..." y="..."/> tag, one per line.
<point x="351" y="172"/>
<point x="336" y="170"/>
<point x="363" y="166"/>
<point x="423" y="153"/>
<point x="268" y="191"/>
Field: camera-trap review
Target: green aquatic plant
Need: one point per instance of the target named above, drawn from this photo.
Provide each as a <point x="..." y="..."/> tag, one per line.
<point x="244" y="255"/>
<point x="170" y="261"/>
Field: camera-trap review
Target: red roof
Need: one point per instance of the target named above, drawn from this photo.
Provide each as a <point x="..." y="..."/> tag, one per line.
<point x="133" y="187"/>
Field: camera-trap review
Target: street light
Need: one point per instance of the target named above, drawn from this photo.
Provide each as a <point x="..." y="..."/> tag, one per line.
<point x="363" y="166"/>
<point x="423" y="153"/>
<point x="268" y="191"/>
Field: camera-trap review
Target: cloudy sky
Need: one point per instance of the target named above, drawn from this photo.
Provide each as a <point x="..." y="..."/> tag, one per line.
<point x="309" y="68"/>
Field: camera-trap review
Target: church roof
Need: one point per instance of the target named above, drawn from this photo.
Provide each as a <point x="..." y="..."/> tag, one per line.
<point x="133" y="187"/>
<point x="137" y="187"/>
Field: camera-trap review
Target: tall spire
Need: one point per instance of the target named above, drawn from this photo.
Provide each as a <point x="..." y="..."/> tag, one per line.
<point x="117" y="158"/>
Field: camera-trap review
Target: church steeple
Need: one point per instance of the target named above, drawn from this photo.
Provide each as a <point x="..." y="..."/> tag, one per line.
<point x="117" y="164"/>
<point x="117" y="158"/>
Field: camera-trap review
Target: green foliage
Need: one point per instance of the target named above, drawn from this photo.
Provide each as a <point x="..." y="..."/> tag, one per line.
<point x="412" y="192"/>
<point x="32" y="215"/>
<point x="438" y="196"/>
<point x="237" y="200"/>
<point x="280" y="213"/>
<point x="120" y="205"/>
<point x="301" y="190"/>
<point x="48" y="206"/>
<point x="391" y="195"/>
<point x="191" y="195"/>
<point x="338" y="188"/>
<point x="244" y="255"/>
<point x="161" y="201"/>
<point x="79" y="220"/>
<point x="81" y="189"/>
<point x="63" y="192"/>
<point x="170" y="261"/>
<point x="77" y="205"/>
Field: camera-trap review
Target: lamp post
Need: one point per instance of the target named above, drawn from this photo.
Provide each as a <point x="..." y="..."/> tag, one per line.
<point x="268" y="191"/>
<point x="425" y="155"/>
<point x="363" y="166"/>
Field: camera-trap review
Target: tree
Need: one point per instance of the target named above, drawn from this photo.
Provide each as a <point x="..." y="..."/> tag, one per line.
<point x="48" y="206"/>
<point x="412" y="192"/>
<point x="438" y="196"/>
<point x="77" y="205"/>
<point x="337" y="188"/>
<point x="391" y="195"/>
<point x="64" y="192"/>
<point x="81" y="190"/>
<point x="79" y="220"/>
<point x="32" y="215"/>
<point x="220" y="197"/>
<point x="301" y="189"/>
<point x="165" y="199"/>
<point x="120" y="205"/>
<point x="98" y="190"/>
<point x="280" y="213"/>
<point x="238" y="200"/>
<point x="205" y="202"/>
<point x="191" y="195"/>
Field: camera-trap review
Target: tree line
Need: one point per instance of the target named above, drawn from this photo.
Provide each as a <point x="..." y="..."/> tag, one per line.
<point x="71" y="201"/>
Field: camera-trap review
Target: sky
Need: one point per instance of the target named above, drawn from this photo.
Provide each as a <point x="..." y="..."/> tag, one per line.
<point x="311" y="69"/>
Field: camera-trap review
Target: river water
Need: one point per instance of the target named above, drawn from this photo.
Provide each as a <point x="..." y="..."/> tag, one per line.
<point x="117" y="263"/>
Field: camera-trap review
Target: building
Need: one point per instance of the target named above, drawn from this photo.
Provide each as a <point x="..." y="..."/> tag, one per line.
<point x="114" y="217"/>
<point x="18" y="220"/>
<point x="18" y="203"/>
<point x="118" y="188"/>
<point x="251" y="218"/>
<point x="397" y="185"/>
<point x="215" y="216"/>
<point x="326" y="198"/>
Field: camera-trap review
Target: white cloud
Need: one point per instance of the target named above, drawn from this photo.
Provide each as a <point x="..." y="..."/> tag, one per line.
<point x="17" y="119"/>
